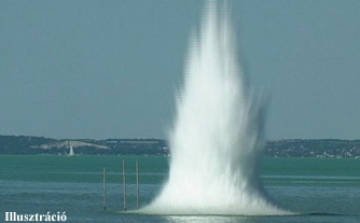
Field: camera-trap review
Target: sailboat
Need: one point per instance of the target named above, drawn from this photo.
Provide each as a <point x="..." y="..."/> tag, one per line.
<point x="71" y="150"/>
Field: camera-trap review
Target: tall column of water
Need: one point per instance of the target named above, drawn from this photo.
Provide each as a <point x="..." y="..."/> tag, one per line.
<point x="217" y="139"/>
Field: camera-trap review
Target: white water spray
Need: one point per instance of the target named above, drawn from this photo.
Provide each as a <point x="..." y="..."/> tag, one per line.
<point x="217" y="140"/>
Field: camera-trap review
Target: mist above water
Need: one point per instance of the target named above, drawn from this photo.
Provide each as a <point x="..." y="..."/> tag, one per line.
<point x="217" y="140"/>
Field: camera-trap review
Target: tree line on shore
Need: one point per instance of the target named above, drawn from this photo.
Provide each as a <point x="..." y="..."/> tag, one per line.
<point x="26" y="145"/>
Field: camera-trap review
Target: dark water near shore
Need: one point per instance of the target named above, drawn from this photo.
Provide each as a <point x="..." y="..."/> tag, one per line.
<point x="322" y="190"/>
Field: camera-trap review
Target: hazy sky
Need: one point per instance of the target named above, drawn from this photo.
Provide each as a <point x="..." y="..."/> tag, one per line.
<point x="110" y="69"/>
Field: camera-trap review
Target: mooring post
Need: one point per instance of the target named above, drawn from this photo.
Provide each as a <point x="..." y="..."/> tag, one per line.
<point x="137" y="185"/>
<point x="104" y="188"/>
<point x="124" y="184"/>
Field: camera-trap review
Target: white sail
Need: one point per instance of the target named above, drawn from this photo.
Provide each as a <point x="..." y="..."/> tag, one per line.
<point x="71" y="150"/>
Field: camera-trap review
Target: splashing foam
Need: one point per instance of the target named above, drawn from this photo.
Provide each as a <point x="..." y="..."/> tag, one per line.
<point x="217" y="142"/>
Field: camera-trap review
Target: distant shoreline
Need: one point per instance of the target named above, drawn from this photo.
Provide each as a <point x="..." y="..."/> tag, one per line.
<point x="33" y="145"/>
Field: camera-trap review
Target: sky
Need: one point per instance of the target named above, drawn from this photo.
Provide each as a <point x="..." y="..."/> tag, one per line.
<point x="111" y="69"/>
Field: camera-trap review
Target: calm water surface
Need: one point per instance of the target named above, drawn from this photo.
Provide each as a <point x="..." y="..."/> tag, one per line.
<point x="322" y="190"/>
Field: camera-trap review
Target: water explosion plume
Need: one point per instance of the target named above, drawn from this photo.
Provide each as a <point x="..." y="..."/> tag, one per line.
<point x="217" y="141"/>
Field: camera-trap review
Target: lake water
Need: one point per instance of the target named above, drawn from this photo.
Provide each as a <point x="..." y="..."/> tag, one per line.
<point x="322" y="190"/>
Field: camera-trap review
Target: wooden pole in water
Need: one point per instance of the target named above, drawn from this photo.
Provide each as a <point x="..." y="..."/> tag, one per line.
<point x="124" y="184"/>
<point x="104" y="188"/>
<point x="137" y="184"/>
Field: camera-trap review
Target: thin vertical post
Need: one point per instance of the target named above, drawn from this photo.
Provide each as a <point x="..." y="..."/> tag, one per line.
<point x="137" y="184"/>
<point x="104" y="188"/>
<point x="124" y="184"/>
